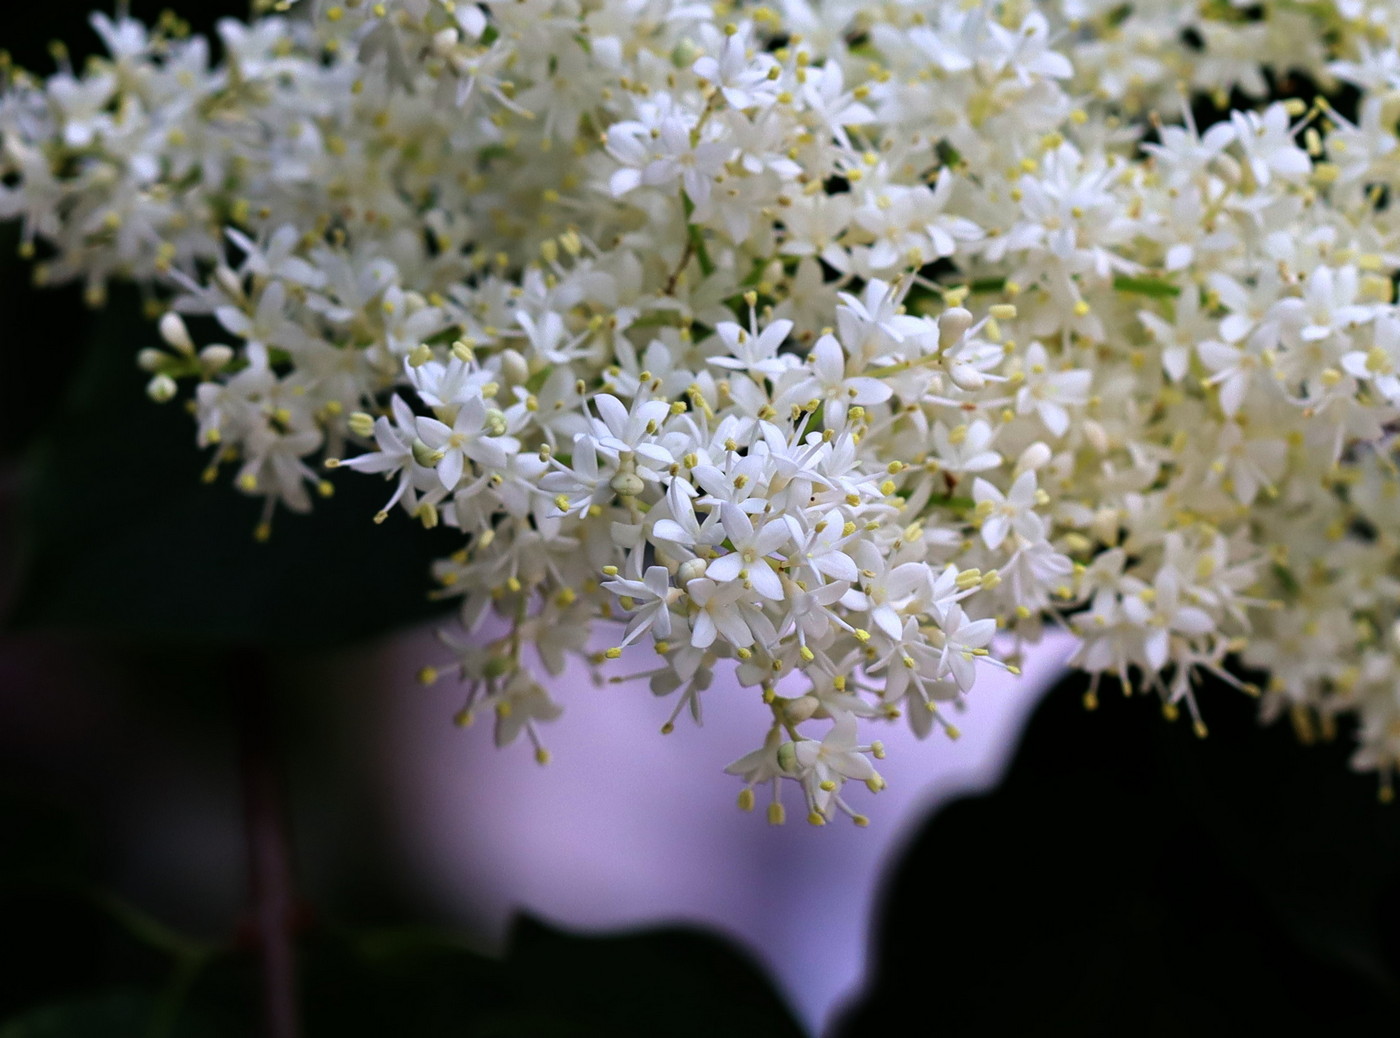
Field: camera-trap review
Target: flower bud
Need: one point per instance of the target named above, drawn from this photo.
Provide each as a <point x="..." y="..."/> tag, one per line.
<point x="495" y="422"/>
<point x="514" y="367"/>
<point x="161" y="388"/>
<point x="795" y="711"/>
<point x="174" y="332"/>
<point x="966" y="377"/>
<point x="425" y="455"/>
<point x="691" y="569"/>
<point x="216" y="357"/>
<point x="1034" y="457"/>
<point x="627" y="484"/>
<point x="443" y="42"/>
<point x="787" y="757"/>
<point x="229" y="282"/>
<point x="952" y="326"/>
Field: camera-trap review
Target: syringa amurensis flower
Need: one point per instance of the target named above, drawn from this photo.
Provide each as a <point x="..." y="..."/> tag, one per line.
<point x="845" y="346"/>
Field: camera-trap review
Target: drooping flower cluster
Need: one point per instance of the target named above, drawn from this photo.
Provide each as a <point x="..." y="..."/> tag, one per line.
<point x="847" y="344"/>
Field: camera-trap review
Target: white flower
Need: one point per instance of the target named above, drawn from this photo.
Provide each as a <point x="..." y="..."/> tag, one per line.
<point x="656" y="594"/>
<point x="1050" y="394"/>
<point x="748" y="561"/>
<point x="744" y="80"/>
<point x="1012" y="511"/>
<point x="966" y="448"/>
<point x="1158" y="612"/>
<point x="1267" y="142"/>
<point x="726" y="610"/>
<point x="621" y="430"/>
<point x="829" y="384"/>
<point x="1328" y="304"/>
<point x="823" y="767"/>
<point x="754" y="353"/>
<point x="476" y="434"/>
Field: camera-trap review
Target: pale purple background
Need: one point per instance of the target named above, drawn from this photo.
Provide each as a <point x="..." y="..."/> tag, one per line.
<point x="628" y="827"/>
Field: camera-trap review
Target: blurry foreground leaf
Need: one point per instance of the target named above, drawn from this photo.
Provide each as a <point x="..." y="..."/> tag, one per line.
<point x="1128" y="878"/>
<point x="671" y="981"/>
<point x="552" y="984"/>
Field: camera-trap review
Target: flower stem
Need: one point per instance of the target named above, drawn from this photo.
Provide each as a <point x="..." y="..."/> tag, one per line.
<point x="269" y="852"/>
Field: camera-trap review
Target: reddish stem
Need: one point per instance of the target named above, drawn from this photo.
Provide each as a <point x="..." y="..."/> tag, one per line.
<point x="269" y="850"/>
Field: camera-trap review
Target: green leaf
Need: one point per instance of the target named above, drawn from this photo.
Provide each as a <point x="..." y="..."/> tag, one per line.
<point x="1129" y="878"/>
<point x="117" y="1013"/>
<point x="121" y="537"/>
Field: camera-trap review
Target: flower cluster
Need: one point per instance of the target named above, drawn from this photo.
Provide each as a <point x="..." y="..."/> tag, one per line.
<point x="846" y="344"/>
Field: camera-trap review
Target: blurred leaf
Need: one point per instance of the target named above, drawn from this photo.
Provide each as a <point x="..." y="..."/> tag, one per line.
<point x="62" y="942"/>
<point x="119" y="1013"/>
<point x="1127" y="878"/>
<point x="411" y="982"/>
<point x="122" y="537"/>
<point x="672" y="981"/>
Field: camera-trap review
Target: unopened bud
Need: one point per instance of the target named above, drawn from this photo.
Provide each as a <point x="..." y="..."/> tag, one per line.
<point x="215" y="357"/>
<point x="795" y="711"/>
<point x="443" y="42"/>
<point x="966" y="377"/>
<point x="627" y="484"/>
<point x="514" y="367"/>
<point x="1034" y="457"/>
<point x="425" y="455"/>
<point x="691" y="569"/>
<point x="787" y="757"/>
<point x="174" y="332"/>
<point x="495" y="423"/>
<point x="229" y="282"/>
<point x="952" y="326"/>
<point x="161" y="388"/>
